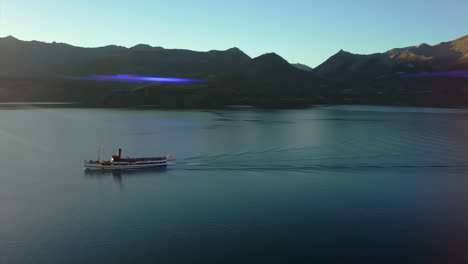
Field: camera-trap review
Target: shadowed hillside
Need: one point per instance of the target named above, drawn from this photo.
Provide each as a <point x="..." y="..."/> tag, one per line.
<point x="38" y="71"/>
<point x="302" y="67"/>
<point x="34" y="59"/>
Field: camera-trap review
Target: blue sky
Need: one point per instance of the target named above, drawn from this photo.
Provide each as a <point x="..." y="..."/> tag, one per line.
<point x="299" y="30"/>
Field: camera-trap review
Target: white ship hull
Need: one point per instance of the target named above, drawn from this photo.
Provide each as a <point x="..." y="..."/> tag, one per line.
<point x="109" y="165"/>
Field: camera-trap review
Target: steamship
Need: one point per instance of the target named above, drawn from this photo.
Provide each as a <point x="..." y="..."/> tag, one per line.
<point x="118" y="163"/>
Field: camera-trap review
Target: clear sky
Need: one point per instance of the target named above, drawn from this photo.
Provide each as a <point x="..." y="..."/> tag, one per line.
<point x="306" y="31"/>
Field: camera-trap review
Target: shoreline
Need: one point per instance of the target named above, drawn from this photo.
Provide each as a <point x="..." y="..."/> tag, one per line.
<point x="79" y="105"/>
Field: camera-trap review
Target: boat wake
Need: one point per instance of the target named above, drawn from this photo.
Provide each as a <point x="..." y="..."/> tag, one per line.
<point x="306" y="159"/>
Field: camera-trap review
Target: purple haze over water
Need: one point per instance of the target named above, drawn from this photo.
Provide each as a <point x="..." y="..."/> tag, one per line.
<point x="134" y="78"/>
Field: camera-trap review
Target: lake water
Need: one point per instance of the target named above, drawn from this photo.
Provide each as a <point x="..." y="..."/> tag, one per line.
<point x="339" y="183"/>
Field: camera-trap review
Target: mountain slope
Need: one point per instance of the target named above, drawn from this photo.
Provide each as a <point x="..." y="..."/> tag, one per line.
<point x="271" y="80"/>
<point x="35" y="71"/>
<point x="302" y="67"/>
<point x="33" y="59"/>
<point x="446" y="56"/>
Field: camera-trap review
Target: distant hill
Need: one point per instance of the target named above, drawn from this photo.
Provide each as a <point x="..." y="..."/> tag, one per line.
<point x="267" y="81"/>
<point x="302" y="67"/>
<point x="33" y="58"/>
<point x="166" y="62"/>
<point x="446" y="56"/>
<point x="33" y="70"/>
<point x="270" y="75"/>
<point x="37" y="71"/>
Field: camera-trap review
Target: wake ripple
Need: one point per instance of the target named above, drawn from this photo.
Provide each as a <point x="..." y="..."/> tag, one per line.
<point x="339" y="157"/>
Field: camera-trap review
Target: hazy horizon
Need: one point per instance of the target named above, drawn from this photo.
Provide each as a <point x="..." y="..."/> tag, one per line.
<point x="304" y="32"/>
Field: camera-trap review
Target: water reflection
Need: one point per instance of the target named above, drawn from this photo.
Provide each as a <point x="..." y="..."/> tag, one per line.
<point x="118" y="175"/>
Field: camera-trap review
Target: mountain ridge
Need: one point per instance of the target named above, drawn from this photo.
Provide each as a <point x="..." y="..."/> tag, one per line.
<point x="36" y="58"/>
<point x="445" y="56"/>
<point x="35" y="71"/>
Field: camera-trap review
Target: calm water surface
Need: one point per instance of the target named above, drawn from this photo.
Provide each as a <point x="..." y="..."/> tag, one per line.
<point x="342" y="183"/>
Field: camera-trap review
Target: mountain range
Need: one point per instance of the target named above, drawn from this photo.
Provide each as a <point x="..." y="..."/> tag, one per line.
<point x="38" y="71"/>
<point x="446" y="56"/>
